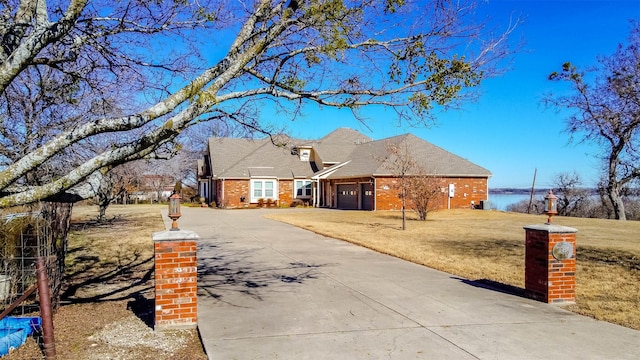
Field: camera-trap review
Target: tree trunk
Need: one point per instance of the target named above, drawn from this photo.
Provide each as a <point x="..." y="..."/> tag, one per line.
<point x="404" y="217"/>
<point x="613" y="192"/>
<point x="102" y="210"/>
<point x="613" y="186"/>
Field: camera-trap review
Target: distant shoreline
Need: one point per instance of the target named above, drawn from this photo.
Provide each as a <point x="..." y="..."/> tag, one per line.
<point x="521" y="191"/>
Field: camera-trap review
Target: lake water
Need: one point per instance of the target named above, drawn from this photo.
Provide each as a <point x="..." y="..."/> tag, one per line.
<point x="501" y="201"/>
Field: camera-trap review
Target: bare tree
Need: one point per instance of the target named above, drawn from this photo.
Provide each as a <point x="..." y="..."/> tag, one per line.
<point x="607" y="112"/>
<point x="402" y="165"/>
<point x="118" y="183"/>
<point x="423" y="192"/>
<point x="572" y="198"/>
<point x="284" y="54"/>
<point x="417" y="188"/>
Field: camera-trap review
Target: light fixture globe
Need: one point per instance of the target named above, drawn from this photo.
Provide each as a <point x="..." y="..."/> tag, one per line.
<point x="550" y="205"/>
<point x="174" y="211"/>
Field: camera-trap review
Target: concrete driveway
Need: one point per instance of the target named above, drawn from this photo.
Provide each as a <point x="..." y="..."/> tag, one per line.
<point x="268" y="290"/>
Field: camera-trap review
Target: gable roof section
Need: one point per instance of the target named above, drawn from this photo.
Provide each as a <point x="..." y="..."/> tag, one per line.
<point x="244" y="158"/>
<point x="339" y="144"/>
<point x="373" y="159"/>
<point x="345" y="136"/>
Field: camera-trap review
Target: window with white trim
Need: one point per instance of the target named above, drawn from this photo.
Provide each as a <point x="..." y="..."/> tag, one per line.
<point x="302" y="189"/>
<point x="263" y="189"/>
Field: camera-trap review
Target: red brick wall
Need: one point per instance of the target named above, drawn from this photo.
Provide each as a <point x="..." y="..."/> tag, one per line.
<point x="234" y="190"/>
<point x="547" y="278"/>
<point x="217" y="198"/>
<point x="466" y="190"/>
<point x="386" y="192"/>
<point x="230" y="191"/>
<point x="176" y="286"/>
<point x="285" y="192"/>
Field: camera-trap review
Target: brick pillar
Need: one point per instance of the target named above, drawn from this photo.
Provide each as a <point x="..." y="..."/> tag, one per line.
<point x="550" y="263"/>
<point x="176" y="285"/>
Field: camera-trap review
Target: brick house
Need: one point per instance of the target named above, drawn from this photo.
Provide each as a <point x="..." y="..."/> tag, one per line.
<point x="343" y="170"/>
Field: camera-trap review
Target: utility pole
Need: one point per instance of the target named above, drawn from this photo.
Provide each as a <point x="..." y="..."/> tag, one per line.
<point x="535" y="171"/>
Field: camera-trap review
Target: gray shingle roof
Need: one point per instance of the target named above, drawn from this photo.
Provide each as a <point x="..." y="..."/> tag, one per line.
<point x="373" y="158"/>
<point x="244" y="158"/>
<point x="339" y="144"/>
<point x="345" y="136"/>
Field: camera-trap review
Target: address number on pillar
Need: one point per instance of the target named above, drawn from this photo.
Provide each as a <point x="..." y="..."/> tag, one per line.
<point x="562" y="251"/>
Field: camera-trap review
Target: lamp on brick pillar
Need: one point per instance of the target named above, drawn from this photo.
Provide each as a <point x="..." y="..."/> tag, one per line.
<point x="550" y="259"/>
<point x="174" y="210"/>
<point x="550" y="205"/>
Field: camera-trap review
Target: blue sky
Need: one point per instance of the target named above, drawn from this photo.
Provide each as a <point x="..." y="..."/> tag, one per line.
<point x="508" y="130"/>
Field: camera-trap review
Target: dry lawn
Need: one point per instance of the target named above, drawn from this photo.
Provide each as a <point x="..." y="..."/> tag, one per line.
<point x="489" y="245"/>
<point x="104" y="255"/>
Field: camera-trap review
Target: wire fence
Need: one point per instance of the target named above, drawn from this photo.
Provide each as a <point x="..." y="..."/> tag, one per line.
<point x="24" y="236"/>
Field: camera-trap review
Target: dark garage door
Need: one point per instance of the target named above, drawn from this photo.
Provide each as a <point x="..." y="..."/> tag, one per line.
<point x="367" y="196"/>
<point x="347" y="196"/>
